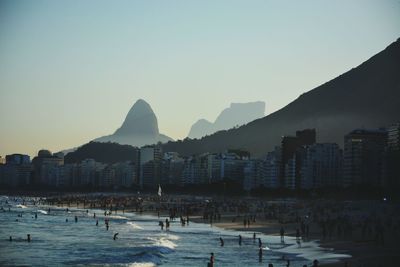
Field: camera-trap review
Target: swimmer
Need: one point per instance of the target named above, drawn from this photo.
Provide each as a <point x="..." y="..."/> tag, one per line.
<point x="221" y="241"/>
<point x="115" y="236"/>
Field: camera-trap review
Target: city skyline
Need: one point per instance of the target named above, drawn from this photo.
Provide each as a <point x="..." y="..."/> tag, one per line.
<point x="69" y="72"/>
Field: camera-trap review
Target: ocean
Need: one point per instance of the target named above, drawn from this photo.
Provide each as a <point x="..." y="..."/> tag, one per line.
<point x="140" y="241"/>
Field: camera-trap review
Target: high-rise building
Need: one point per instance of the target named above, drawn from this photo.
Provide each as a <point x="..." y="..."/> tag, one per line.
<point x="17" y="171"/>
<point x="44" y="165"/>
<point x="321" y="166"/>
<point x="363" y="157"/>
<point x="150" y="166"/>
<point x="289" y="146"/>
<point x="393" y="141"/>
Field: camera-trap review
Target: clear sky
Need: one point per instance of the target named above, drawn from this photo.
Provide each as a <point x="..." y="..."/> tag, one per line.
<point x="71" y="70"/>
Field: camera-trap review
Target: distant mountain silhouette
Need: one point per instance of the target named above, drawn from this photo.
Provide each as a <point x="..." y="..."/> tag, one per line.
<point x="367" y="96"/>
<point x="102" y="152"/>
<point x="236" y="115"/>
<point x="139" y="128"/>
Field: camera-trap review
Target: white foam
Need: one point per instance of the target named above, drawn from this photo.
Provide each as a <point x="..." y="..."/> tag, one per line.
<point x="163" y="242"/>
<point x="142" y="264"/>
<point x="21" y="206"/>
<point x="134" y="225"/>
<point x="311" y="251"/>
<point x="117" y="217"/>
<point x="42" y="211"/>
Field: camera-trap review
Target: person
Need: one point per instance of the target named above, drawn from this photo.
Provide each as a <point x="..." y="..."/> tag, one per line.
<point x="76" y="218"/>
<point x="35" y="215"/>
<point x="259" y="243"/>
<point x="221" y="241"/>
<point x="315" y="263"/>
<point x="240" y="240"/>
<point x="287" y="263"/>
<point x="282" y="232"/>
<point x="212" y="259"/>
<point x="270" y="265"/>
<point x="254" y="236"/>
<point x="107" y="225"/>
<point x="97" y="222"/>
<point x="161" y="224"/>
<point x="166" y="224"/>
<point x="94" y="215"/>
<point x="66" y="220"/>
<point x="115" y="236"/>
<point x="260" y="252"/>
<point x="298" y="237"/>
<point x="28" y="237"/>
<point x="10" y="238"/>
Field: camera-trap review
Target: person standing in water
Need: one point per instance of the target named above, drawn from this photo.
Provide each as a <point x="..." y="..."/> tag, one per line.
<point x="260" y="252"/>
<point x="212" y="259"/>
<point x="28" y="237"/>
<point x="259" y="243"/>
<point x="221" y="241"/>
<point x="240" y="240"/>
<point x="282" y="232"/>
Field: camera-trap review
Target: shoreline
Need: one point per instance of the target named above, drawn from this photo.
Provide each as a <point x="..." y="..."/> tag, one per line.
<point x="363" y="250"/>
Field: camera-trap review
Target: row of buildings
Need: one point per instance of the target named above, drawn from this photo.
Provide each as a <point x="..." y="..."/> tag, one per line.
<point x="369" y="157"/>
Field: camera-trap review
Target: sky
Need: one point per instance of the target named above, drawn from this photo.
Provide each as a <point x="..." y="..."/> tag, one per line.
<point x="71" y="70"/>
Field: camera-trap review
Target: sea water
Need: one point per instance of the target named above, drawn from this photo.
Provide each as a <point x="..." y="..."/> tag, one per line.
<point x="140" y="242"/>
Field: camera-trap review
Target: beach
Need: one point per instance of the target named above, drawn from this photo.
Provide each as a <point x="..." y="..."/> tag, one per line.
<point x="192" y="242"/>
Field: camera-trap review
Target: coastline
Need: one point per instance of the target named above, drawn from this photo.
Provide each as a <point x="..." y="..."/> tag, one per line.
<point x="364" y="252"/>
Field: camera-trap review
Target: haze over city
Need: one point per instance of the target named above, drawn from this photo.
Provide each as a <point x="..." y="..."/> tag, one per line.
<point x="70" y="71"/>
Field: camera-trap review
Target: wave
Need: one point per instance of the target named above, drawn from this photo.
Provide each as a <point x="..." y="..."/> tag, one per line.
<point x="163" y="243"/>
<point x="117" y="217"/>
<point x="21" y="206"/>
<point x="42" y="211"/>
<point x="142" y="264"/>
<point x="134" y="225"/>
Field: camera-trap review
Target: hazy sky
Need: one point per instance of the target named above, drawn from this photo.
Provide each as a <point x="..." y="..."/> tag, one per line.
<point x="71" y="70"/>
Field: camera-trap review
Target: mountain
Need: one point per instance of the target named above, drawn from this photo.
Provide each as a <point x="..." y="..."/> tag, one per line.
<point x="139" y="128"/>
<point x="103" y="152"/>
<point x="237" y="114"/>
<point x="367" y="96"/>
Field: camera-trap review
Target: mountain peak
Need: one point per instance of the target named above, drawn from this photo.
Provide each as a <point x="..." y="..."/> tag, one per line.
<point x="140" y="120"/>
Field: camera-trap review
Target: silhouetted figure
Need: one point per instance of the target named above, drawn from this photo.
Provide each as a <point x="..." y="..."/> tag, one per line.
<point x="315" y="263"/>
<point x="287" y="263"/>
<point x="28" y="237"/>
<point x="115" y="236"/>
<point x="240" y="240"/>
<point x="10" y="238"/>
<point x="260" y="252"/>
<point x="259" y="243"/>
<point x="66" y="220"/>
<point x="76" y="219"/>
<point x="221" y="241"/>
<point x="282" y="232"/>
<point x="254" y="236"/>
<point x="94" y="215"/>
<point x="35" y="215"/>
<point x="212" y="259"/>
<point x="97" y="222"/>
<point x="298" y="237"/>
<point x="270" y="265"/>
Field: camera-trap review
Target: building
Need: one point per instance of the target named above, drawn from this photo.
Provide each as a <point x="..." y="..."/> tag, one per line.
<point x="270" y="168"/>
<point x="44" y="165"/>
<point x="289" y="146"/>
<point x="150" y="166"/>
<point x="363" y="157"/>
<point x="321" y="166"/>
<point x="17" y="171"/>
<point x="392" y="180"/>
